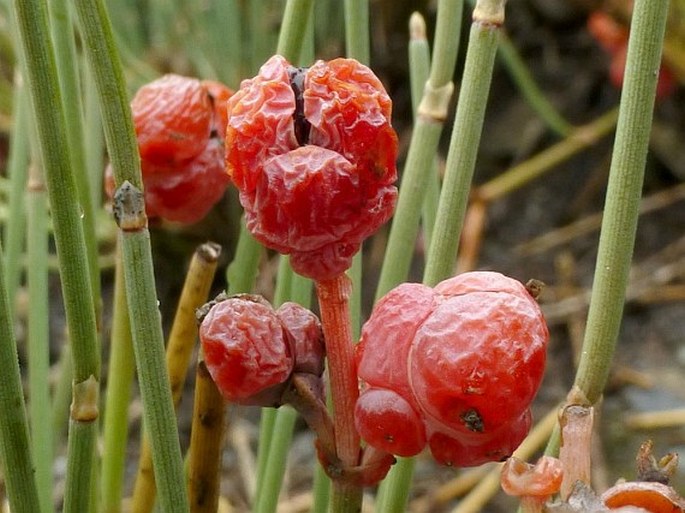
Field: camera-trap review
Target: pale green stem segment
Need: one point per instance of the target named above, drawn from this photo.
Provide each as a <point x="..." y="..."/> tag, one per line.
<point x="295" y="19"/>
<point x="39" y="334"/>
<point x="14" y="431"/>
<point x="529" y="89"/>
<point x="419" y="71"/>
<point x="488" y="17"/>
<point x="44" y="88"/>
<point x="619" y="223"/>
<point x="66" y="58"/>
<point x="146" y="327"/>
<point x="17" y="167"/>
<point x="431" y="114"/>
<point x="122" y="367"/>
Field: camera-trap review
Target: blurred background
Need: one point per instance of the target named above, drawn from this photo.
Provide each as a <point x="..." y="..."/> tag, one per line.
<point x="555" y="81"/>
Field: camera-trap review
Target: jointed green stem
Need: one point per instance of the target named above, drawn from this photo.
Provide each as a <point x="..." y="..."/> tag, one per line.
<point x="619" y="222"/>
<point x="70" y="241"/>
<point x="424" y="143"/>
<point x="146" y="327"/>
<point x="464" y="143"/>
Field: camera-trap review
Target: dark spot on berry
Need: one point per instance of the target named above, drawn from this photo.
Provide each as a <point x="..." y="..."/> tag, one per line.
<point x="473" y="420"/>
<point x="302" y="126"/>
<point x="214" y="134"/>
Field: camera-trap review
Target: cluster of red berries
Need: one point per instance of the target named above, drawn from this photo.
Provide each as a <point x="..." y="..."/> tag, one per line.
<point x="252" y="350"/>
<point x="455" y="367"/>
<point x="312" y="152"/>
<point x="180" y="124"/>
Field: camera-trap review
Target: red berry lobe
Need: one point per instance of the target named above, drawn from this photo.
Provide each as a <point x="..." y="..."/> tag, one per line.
<point x="467" y="357"/>
<point x="245" y="349"/>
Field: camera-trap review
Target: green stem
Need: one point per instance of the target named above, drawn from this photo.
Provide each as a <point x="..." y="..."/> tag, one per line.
<point x="431" y="115"/>
<point x="295" y="18"/>
<point x="66" y="59"/>
<point x="70" y="241"/>
<point x="266" y="500"/>
<point x="463" y="150"/>
<point x="39" y="335"/>
<point x="242" y="271"/>
<point x="148" y="346"/>
<point x="122" y="367"/>
<point x="529" y="89"/>
<point x="419" y="71"/>
<point x="146" y="328"/>
<point x="14" y="433"/>
<point x="619" y="224"/>
<point x="357" y="30"/>
<point x="17" y="171"/>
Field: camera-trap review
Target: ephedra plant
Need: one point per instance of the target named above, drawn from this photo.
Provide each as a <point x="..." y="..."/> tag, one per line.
<point x="451" y="365"/>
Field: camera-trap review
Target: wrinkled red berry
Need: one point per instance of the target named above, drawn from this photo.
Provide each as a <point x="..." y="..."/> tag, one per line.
<point x="613" y="38"/>
<point x="313" y="155"/>
<point x="467" y="356"/>
<point x="180" y="125"/>
<point x="251" y="350"/>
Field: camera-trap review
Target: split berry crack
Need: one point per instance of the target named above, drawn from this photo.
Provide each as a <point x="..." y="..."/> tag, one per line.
<point x="312" y="152"/>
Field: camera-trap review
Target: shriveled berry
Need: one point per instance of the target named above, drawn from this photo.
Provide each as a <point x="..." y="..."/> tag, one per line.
<point x="187" y="195"/>
<point x="467" y="356"/>
<point x="246" y="350"/>
<point x="313" y="155"/>
<point x="252" y="350"/>
<point x="180" y="125"/>
<point x="172" y="118"/>
<point x="303" y="329"/>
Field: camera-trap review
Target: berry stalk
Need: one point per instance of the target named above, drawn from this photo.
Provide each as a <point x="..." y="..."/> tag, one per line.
<point x="333" y="295"/>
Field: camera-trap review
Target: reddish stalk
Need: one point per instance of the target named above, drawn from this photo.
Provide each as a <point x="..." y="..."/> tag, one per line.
<point x="333" y="298"/>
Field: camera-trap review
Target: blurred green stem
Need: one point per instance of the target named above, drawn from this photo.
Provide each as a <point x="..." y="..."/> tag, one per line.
<point x="17" y="170"/>
<point x="122" y="367"/>
<point x="15" y="450"/>
<point x="619" y="224"/>
<point x="431" y="114"/>
<point x="468" y="123"/>
<point x="39" y="334"/>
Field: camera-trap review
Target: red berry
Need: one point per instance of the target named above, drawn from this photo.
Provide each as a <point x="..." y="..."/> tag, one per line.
<point x="467" y="356"/>
<point x="246" y="350"/>
<point x="180" y="125"/>
<point x="251" y="350"/>
<point x="306" y="338"/>
<point x="387" y="421"/>
<point x="313" y="155"/>
<point x="172" y="117"/>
